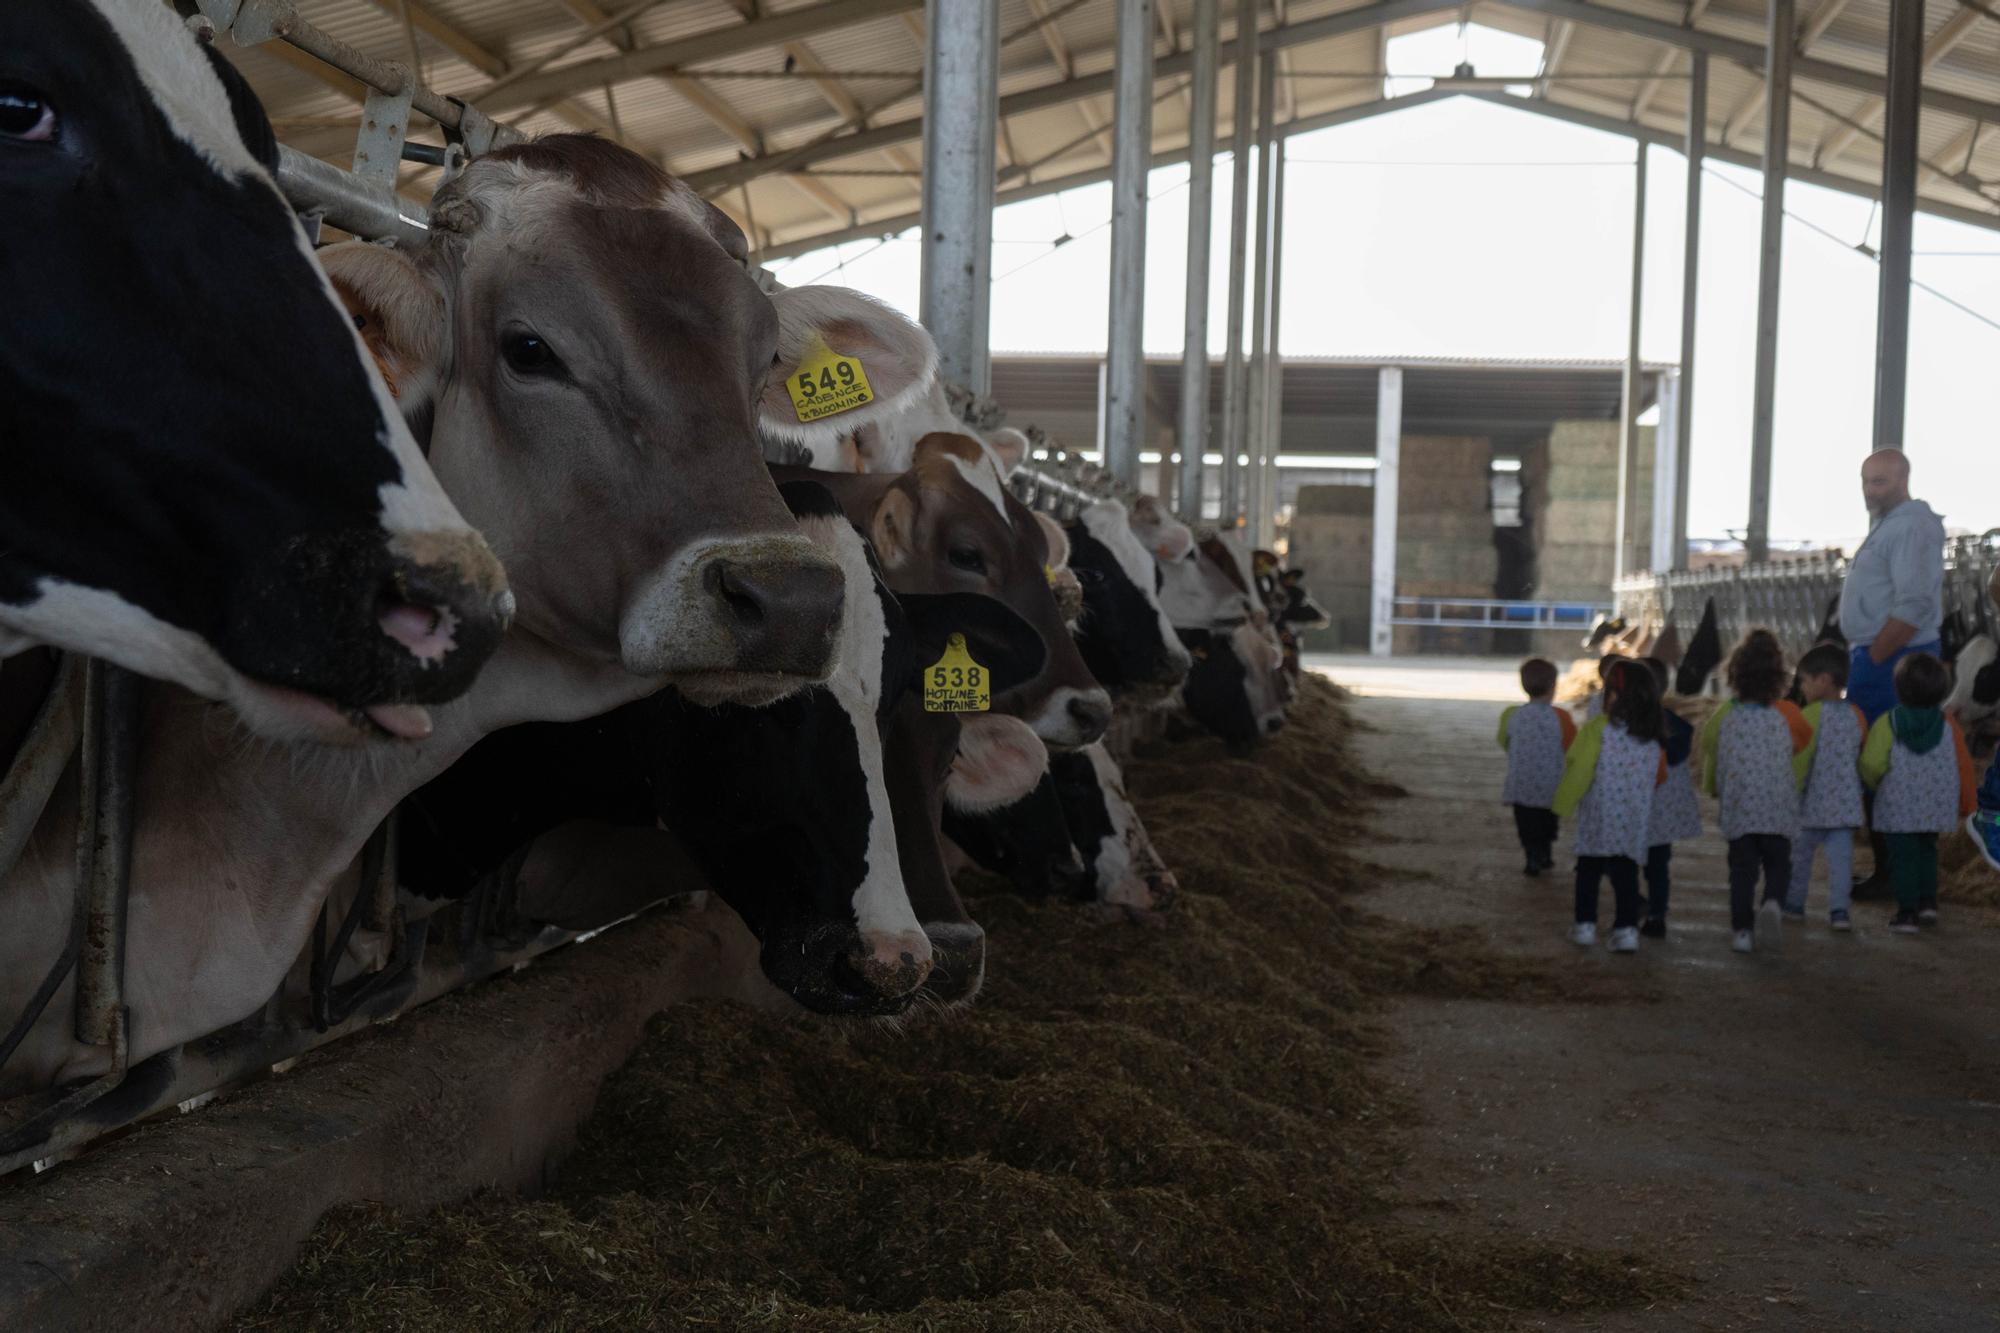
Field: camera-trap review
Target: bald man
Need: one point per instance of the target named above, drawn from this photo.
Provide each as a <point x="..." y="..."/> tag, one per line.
<point x="1892" y="603"/>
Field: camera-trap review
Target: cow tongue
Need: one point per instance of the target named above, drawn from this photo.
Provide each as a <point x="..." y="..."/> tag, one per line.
<point x="404" y="721"/>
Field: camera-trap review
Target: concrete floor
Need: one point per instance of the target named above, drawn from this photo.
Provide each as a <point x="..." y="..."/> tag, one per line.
<point x="1809" y="1136"/>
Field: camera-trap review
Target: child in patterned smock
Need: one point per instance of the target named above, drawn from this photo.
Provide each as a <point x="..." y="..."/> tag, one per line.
<point x="1535" y="736"/>
<point x="1676" y="809"/>
<point x="1915" y="759"/>
<point x="1747" y="750"/>
<point x="1608" y="783"/>
<point x="1831" y="809"/>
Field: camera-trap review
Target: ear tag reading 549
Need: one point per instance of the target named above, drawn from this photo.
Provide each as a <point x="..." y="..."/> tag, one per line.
<point x="827" y="383"/>
<point x="957" y="684"/>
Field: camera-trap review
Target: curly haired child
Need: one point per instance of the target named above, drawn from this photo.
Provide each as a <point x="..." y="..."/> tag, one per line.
<point x="1608" y="782"/>
<point x="1747" y="749"/>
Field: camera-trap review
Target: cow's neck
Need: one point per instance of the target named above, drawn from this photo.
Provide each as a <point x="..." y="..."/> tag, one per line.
<point x="238" y="843"/>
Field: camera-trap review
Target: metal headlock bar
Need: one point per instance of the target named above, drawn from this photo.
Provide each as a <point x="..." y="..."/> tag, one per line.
<point x="1793" y="597"/>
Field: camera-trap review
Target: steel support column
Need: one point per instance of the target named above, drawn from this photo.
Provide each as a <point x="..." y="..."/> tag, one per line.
<point x="1899" y="206"/>
<point x="1260" y="313"/>
<point x="1697" y="152"/>
<point x="1265" y="524"/>
<point x="1777" y="144"/>
<point x="1388" y="473"/>
<point x="1624" y="522"/>
<point x="1207" y="35"/>
<point x="1666" y="473"/>
<point x="1131" y="157"/>
<point x="1235" y="380"/>
<point x="961" y="95"/>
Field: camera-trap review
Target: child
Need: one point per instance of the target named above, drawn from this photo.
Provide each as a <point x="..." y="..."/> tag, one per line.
<point x="1676" y="809"/>
<point x="1535" y="736"/>
<point x="1915" y="759"/>
<point x="1594" y="705"/>
<point x="1608" y="784"/>
<point x="1747" y="748"/>
<point x="1831" y="763"/>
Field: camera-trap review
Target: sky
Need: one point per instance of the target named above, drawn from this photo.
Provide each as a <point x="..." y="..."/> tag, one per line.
<point x="1465" y="229"/>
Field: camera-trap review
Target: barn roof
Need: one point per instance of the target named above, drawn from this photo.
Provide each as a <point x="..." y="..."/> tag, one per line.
<point x="801" y="118"/>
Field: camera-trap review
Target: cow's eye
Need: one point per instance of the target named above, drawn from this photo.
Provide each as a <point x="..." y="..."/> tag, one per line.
<point x="968" y="559"/>
<point x="1087" y="576"/>
<point x="26" y="115"/>
<point x="528" y="353"/>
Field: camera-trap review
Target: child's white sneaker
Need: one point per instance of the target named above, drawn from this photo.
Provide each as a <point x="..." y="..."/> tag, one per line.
<point x="1625" y="939"/>
<point x="1583" y="934"/>
<point x="1770" y="925"/>
<point x="1745" y="942"/>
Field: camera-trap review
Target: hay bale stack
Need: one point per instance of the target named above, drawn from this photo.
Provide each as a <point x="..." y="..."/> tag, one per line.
<point x="1444" y="534"/>
<point x="1573" y="527"/>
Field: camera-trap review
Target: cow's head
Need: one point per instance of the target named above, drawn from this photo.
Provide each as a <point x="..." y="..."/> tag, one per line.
<point x="1165" y="537"/>
<point x="1120" y="862"/>
<point x="1125" y="637"/>
<point x="596" y="364"/>
<point x="786" y="808"/>
<point x="947" y="525"/>
<point x="1217" y="691"/>
<point x="203" y="480"/>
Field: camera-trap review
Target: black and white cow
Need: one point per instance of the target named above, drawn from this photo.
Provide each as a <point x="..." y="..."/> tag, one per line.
<point x="1124" y="635"/>
<point x="783" y="810"/>
<point x="204" y="480"/>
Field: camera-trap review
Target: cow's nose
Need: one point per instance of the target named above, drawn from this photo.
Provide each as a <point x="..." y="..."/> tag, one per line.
<point x="1274" y="726"/>
<point x="784" y="614"/>
<point x="1164" y="888"/>
<point x="958" y="961"/>
<point x="1091" y="713"/>
<point x="888" y="966"/>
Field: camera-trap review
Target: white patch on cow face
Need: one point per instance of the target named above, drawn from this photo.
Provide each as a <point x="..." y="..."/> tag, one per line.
<point x="1108" y="522"/>
<point x="999" y="761"/>
<point x="179" y="79"/>
<point x="984" y="478"/>
<point x="1257" y="647"/>
<point x="882" y="908"/>
<point x="1197" y="595"/>
<point x="1977" y="654"/>
<point x="1126" y="863"/>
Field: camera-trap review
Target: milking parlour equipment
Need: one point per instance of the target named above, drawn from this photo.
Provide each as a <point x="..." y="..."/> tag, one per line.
<point x="90" y="717"/>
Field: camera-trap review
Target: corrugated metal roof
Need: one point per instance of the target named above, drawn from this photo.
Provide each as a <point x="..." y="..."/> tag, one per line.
<point x="703" y="123"/>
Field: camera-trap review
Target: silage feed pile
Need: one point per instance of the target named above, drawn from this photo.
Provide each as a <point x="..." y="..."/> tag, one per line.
<point x="1169" y="1125"/>
<point x="1963" y="875"/>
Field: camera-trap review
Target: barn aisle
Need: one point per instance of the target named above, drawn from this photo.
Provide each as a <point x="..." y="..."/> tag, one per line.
<point x="1809" y="1137"/>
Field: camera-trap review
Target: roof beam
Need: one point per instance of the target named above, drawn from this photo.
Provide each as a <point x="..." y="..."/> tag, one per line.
<point x="1749" y="54"/>
<point x="1955" y="30"/>
<point x="1058" y="45"/>
<point x="836" y="95"/>
<point x="1554" y="48"/>
<point x="454" y="40"/>
<point x="713" y="44"/>
<point x="1651" y="87"/>
<point x="1987" y="220"/>
<point x="1063" y="92"/>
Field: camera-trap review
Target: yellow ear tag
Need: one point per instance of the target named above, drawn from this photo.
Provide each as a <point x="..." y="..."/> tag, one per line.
<point x="1049" y="575"/>
<point x="957" y="684"/>
<point x="827" y="383"/>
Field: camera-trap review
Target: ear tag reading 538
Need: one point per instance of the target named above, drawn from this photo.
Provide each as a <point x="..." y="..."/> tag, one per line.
<point x="957" y="684"/>
<point x="827" y="383"/>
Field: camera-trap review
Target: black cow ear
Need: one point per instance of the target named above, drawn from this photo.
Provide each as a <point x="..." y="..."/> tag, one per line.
<point x="251" y="122"/>
<point x="1008" y="647"/>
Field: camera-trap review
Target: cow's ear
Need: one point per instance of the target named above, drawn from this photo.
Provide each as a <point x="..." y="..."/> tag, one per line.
<point x="893" y="528"/>
<point x="841" y="338"/>
<point x="398" y="311"/>
<point x="1009" y="448"/>
<point x="1008" y="647"/>
<point x="1000" y="761"/>
<point x="1058" y="541"/>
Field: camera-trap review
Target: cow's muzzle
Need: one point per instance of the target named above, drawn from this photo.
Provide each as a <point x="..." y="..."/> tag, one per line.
<point x="830" y="967"/>
<point x="765" y="608"/>
<point x="369" y="625"/>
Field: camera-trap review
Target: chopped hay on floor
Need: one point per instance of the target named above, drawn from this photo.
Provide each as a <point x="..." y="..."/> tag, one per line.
<point x="1175" y="1128"/>
<point x="1963" y="875"/>
<point x="1577" y="686"/>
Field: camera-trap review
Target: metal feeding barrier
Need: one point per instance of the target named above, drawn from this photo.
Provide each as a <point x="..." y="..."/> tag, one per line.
<point x="1795" y="599"/>
<point x="90" y="719"/>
